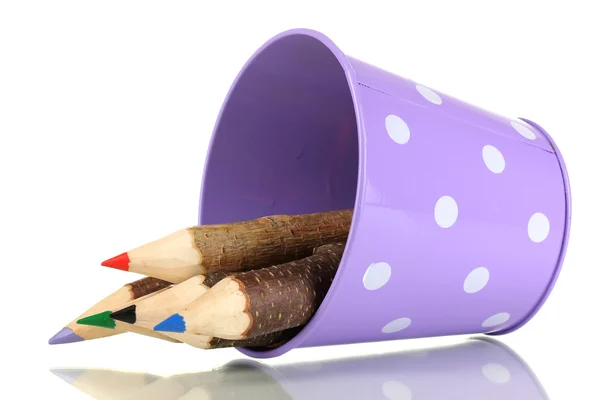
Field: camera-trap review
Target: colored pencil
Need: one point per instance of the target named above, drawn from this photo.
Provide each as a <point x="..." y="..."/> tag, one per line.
<point x="259" y="302"/>
<point x="74" y="332"/>
<point x="234" y="247"/>
<point x="104" y="384"/>
<point x="103" y="320"/>
<point x="149" y="311"/>
<point x="146" y="312"/>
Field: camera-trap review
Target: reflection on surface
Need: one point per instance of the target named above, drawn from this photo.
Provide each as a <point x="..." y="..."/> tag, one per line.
<point x="481" y="369"/>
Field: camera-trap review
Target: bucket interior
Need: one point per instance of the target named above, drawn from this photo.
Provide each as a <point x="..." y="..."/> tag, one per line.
<point x="286" y="140"/>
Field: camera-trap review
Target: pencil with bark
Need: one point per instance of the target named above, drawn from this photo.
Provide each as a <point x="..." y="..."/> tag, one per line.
<point x="74" y="332"/>
<point x="234" y="247"/>
<point x="259" y="302"/>
<point x="146" y="312"/>
<point x="103" y="320"/>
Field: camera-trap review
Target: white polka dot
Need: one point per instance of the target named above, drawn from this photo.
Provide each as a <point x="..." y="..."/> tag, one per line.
<point x="429" y="94"/>
<point x="476" y="280"/>
<point x="538" y="227"/>
<point x="446" y="211"/>
<point x="395" y="390"/>
<point x="495" y="320"/>
<point x="397" y="325"/>
<point x="377" y="275"/>
<point x="523" y="130"/>
<point x="493" y="159"/>
<point x="496" y="373"/>
<point x="397" y="129"/>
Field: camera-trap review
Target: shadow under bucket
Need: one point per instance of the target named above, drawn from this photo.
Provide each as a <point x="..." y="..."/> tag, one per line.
<point x="461" y="216"/>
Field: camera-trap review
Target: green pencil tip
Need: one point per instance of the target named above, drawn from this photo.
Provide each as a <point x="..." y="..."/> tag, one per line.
<point x="102" y="320"/>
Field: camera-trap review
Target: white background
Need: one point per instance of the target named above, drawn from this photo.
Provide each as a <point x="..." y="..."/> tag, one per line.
<point x="106" y="109"/>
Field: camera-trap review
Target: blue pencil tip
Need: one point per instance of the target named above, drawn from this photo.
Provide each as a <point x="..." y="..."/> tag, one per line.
<point x="175" y="323"/>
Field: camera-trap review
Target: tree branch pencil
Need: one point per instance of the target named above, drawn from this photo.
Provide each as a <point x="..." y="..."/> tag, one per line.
<point x="235" y="246"/>
<point x="146" y="312"/>
<point x="259" y="302"/>
<point x="74" y="332"/>
<point x="103" y="320"/>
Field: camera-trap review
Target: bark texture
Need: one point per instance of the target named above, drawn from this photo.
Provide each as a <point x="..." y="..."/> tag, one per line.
<point x="270" y="340"/>
<point x="247" y="245"/>
<point x="146" y="286"/>
<point x="287" y="295"/>
<point x="214" y="278"/>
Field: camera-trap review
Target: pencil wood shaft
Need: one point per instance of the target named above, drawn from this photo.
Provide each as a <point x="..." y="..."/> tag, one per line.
<point x="123" y="327"/>
<point x="268" y="240"/>
<point x="146" y="286"/>
<point x="150" y="310"/>
<point x="141" y="315"/>
<point x="269" y="340"/>
<point x="117" y="299"/>
<point x="255" y="303"/>
<point x="215" y="277"/>
<point x="287" y="295"/>
<point x="234" y="247"/>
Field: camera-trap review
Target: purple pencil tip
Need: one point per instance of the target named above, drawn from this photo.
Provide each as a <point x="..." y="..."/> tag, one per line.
<point x="65" y="336"/>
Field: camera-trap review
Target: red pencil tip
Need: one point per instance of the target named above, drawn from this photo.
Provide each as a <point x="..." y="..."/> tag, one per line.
<point x="119" y="262"/>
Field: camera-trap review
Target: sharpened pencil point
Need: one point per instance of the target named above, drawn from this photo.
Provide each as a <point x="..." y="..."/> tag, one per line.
<point x="118" y="262"/>
<point x="175" y="323"/>
<point x="101" y="319"/>
<point x="126" y="315"/>
<point x="65" y="336"/>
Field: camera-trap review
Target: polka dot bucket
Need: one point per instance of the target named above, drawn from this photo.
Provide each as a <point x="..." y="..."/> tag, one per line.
<point x="461" y="216"/>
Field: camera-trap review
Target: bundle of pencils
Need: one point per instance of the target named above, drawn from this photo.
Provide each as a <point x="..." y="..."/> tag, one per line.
<point x="251" y="283"/>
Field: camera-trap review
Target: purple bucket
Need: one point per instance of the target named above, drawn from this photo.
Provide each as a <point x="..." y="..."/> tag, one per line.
<point x="461" y="216"/>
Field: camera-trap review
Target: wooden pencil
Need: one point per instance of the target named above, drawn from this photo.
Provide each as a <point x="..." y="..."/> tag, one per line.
<point x="146" y="312"/>
<point x="104" y="384"/>
<point x="234" y="247"/>
<point x="143" y="314"/>
<point x="74" y="332"/>
<point x="103" y="320"/>
<point x="269" y="340"/>
<point x="259" y="302"/>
